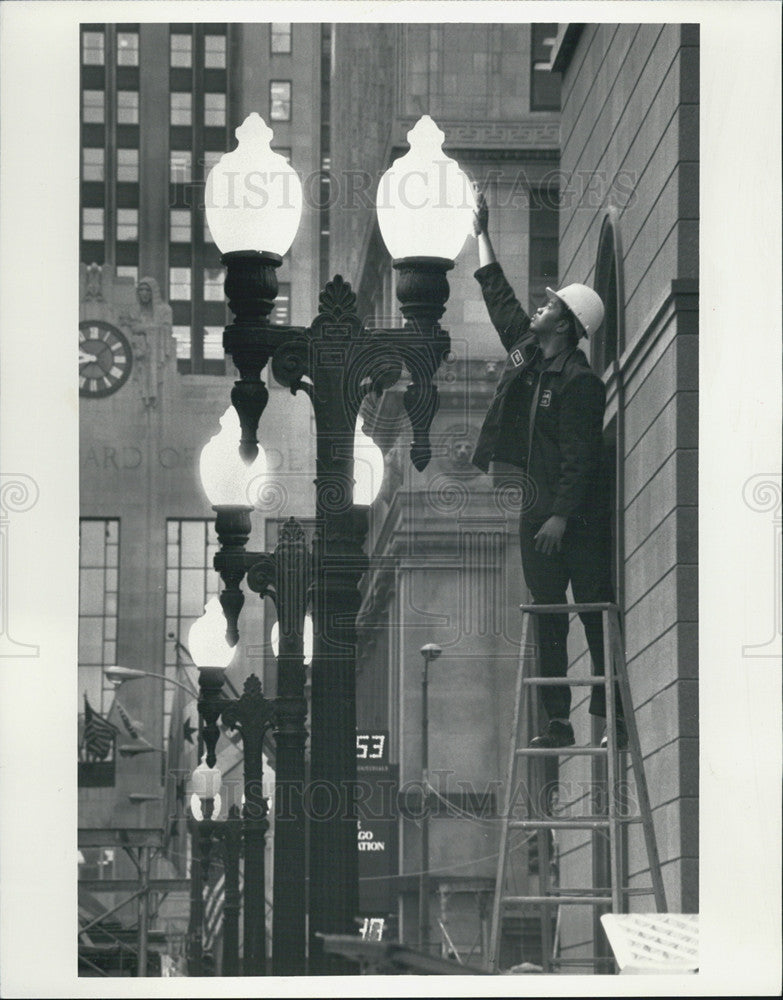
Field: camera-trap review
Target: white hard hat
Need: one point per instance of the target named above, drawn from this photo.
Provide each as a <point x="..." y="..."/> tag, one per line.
<point x="584" y="303"/>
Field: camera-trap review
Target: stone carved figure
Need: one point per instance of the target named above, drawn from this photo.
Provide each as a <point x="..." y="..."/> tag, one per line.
<point x="91" y="281"/>
<point x="149" y="325"/>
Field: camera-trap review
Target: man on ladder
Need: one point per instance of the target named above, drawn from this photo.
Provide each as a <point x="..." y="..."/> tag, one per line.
<point x="547" y="419"/>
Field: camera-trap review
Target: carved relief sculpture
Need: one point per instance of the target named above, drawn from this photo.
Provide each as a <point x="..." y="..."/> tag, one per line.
<point x="149" y="325"/>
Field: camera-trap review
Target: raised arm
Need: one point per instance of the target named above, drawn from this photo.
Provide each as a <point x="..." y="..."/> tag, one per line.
<point x="507" y="315"/>
<point x="486" y="252"/>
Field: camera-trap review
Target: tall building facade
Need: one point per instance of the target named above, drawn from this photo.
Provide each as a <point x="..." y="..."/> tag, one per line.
<point x="159" y="106"/>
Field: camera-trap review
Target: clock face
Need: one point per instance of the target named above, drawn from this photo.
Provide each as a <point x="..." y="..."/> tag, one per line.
<point x="104" y="358"/>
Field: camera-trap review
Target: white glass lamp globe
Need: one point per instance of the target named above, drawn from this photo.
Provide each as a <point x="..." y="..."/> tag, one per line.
<point x="307" y="639"/>
<point x="206" y="782"/>
<point x="225" y="476"/>
<point x="207" y="638"/>
<point x="368" y="467"/>
<point x="425" y="202"/>
<point x="253" y="196"/>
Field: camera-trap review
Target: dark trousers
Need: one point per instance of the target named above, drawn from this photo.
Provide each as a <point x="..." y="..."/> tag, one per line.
<point x="585" y="561"/>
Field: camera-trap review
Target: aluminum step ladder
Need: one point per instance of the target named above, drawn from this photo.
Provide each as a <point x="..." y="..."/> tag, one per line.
<point x="526" y="763"/>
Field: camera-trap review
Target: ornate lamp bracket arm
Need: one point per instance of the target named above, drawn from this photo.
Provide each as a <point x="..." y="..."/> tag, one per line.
<point x="261" y="574"/>
<point x="291" y="364"/>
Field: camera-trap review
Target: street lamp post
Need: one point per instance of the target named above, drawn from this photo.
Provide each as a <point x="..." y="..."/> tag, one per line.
<point x="251" y="715"/>
<point x="335" y="362"/>
<point x="429" y="653"/>
<point x="284" y="577"/>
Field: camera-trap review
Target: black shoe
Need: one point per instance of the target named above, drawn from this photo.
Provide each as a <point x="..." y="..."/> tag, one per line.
<point x="556" y="734"/>
<point x="622" y="736"/>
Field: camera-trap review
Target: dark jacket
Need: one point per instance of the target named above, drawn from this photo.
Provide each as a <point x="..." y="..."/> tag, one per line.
<point x="563" y="455"/>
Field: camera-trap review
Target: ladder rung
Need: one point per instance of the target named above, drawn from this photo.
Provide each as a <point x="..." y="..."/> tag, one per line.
<point x="558" y="824"/>
<point x="578" y="823"/>
<point x="555" y="900"/>
<point x="549" y="609"/>
<point x="636" y="891"/>
<point x="563" y="681"/>
<point x="541" y="751"/>
<point x="593" y="960"/>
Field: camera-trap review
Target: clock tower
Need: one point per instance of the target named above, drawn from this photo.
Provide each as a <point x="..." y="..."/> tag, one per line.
<point x="105" y="352"/>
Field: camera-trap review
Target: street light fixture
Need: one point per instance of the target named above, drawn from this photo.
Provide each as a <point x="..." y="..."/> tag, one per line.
<point x="336" y="363"/>
<point x="431" y="651"/>
<point x="251" y="715"/>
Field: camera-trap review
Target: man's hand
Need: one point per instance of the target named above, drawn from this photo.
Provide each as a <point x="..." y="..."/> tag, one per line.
<point x="481" y="214"/>
<point x="549" y="536"/>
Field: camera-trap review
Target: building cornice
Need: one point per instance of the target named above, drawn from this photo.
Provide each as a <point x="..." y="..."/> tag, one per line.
<point x="539" y="132"/>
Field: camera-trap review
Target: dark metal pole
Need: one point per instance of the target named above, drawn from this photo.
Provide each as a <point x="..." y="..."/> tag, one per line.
<point x="144" y="908"/>
<point x="429" y="652"/>
<point x="289" y="951"/>
<point x="232" y="840"/>
<point x="251" y="714"/>
<point x="339" y="563"/>
<point x="196" y="921"/>
<point x="424" y="874"/>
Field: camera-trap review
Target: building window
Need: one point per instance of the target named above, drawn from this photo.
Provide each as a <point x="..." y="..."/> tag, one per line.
<point x="92" y="164"/>
<point x="282" y="312"/>
<point x="127" y="107"/>
<point x="127" y="48"/>
<point x="127" y="224"/>
<point x="98" y="586"/>
<point x="215" y="109"/>
<point x="179" y="284"/>
<point x="93" y="106"/>
<point x="92" y="224"/>
<point x="544" y="83"/>
<point x="211" y="159"/>
<point x="213" y="344"/>
<point x="608" y="341"/>
<point x="179" y="225"/>
<point x="213" y="284"/>
<point x="180" y="166"/>
<point x="128" y="165"/>
<point x="181" y="108"/>
<point x="208" y="237"/>
<point x="181" y="50"/>
<point x="544" y="243"/>
<point x="190" y="582"/>
<point x="280" y="39"/>
<point x="215" y="51"/>
<point x="128" y="271"/>
<point x="284" y="151"/>
<point x="93" y="48"/>
<point x="280" y="100"/>
<point x="182" y="337"/>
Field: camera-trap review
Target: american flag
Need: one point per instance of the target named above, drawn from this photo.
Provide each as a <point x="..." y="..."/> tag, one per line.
<point x="213" y="908"/>
<point x="98" y="735"/>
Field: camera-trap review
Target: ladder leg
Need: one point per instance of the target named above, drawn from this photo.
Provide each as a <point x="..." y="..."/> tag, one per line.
<point x="612" y="764"/>
<point x="535" y="773"/>
<point x="638" y="766"/>
<point x="520" y="711"/>
<point x="545" y="908"/>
